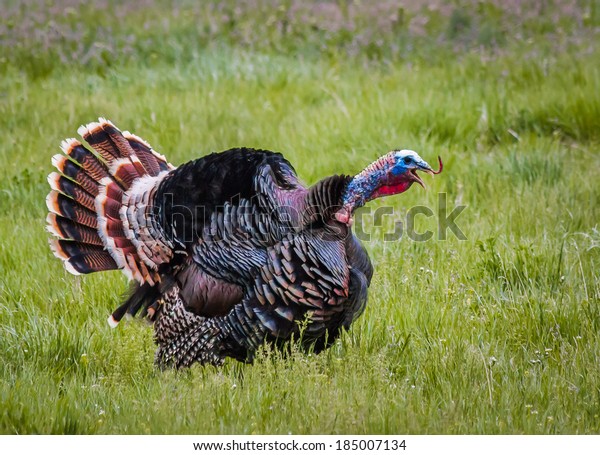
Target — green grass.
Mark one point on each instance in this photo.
(499, 333)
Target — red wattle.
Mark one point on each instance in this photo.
(388, 190)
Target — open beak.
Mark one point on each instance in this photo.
(426, 168)
(415, 177)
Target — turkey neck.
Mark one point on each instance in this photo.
(364, 186)
(324, 198)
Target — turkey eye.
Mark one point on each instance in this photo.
(406, 160)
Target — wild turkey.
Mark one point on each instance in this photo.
(228, 251)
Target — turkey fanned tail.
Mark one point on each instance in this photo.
(100, 205)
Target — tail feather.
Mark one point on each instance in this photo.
(92, 262)
(75, 172)
(142, 297)
(117, 315)
(112, 190)
(124, 170)
(88, 203)
(62, 205)
(98, 135)
(153, 162)
(73, 190)
(93, 167)
(145, 155)
(67, 248)
(66, 229)
(109, 132)
(123, 164)
(109, 207)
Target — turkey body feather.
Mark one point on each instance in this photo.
(227, 252)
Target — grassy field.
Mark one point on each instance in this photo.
(498, 333)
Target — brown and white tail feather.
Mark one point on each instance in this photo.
(60, 204)
(154, 162)
(99, 204)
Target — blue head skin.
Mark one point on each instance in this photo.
(393, 173)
